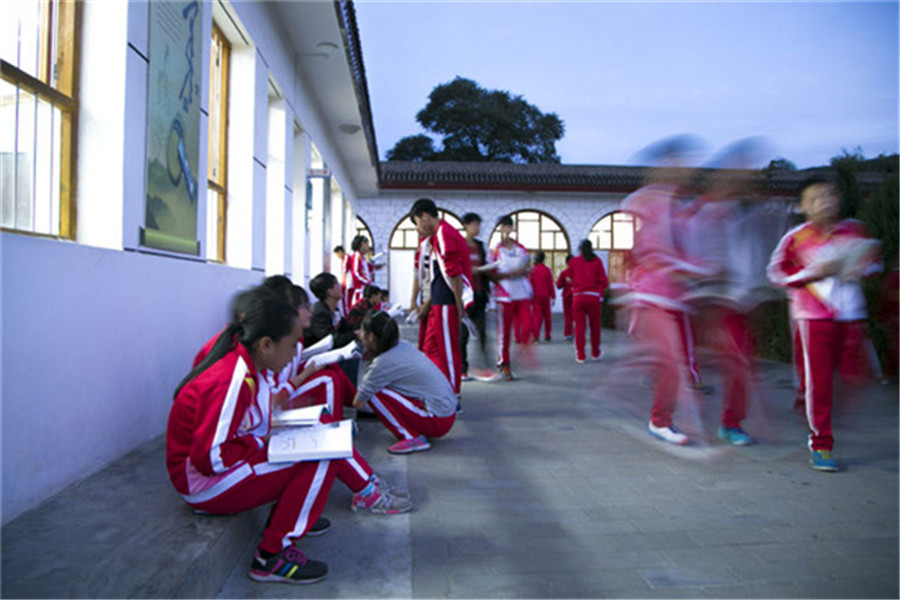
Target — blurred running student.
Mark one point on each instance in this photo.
(481, 293)
(658, 277)
(451, 288)
(406, 391)
(544, 294)
(564, 283)
(512, 292)
(821, 263)
(588, 284)
(217, 463)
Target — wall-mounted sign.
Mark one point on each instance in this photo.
(173, 126)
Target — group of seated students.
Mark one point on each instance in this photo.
(276, 353)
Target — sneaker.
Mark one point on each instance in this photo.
(416, 444)
(288, 566)
(486, 375)
(506, 373)
(580, 361)
(821, 460)
(459, 408)
(380, 501)
(669, 434)
(734, 436)
(548, 340)
(599, 357)
(466, 377)
(320, 527)
(569, 338)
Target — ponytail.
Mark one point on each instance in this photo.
(383, 327)
(266, 315)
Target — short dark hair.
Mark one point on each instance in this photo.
(371, 290)
(506, 220)
(338, 249)
(357, 242)
(539, 256)
(815, 179)
(422, 206)
(471, 217)
(321, 283)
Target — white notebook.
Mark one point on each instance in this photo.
(317, 442)
(307, 415)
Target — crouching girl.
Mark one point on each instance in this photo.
(216, 457)
(407, 392)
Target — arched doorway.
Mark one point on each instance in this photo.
(538, 231)
(401, 262)
(614, 233)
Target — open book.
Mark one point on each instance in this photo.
(307, 415)
(315, 442)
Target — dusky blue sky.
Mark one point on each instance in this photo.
(812, 78)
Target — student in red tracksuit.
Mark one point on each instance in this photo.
(451, 289)
(821, 263)
(359, 271)
(420, 303)
(564, 283)
(544, 294)
(512, 292)
(220, 465)
(343, 260)
(588, 284)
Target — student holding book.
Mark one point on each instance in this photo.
(407, 392)
(219, 466)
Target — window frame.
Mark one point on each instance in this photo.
(55, 47)
(219, 185)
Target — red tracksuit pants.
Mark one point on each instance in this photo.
(442, 342)
(567, 315)
(686, 325)
(541, 312)
(299, 491)
(586, 311)
(515, 315)
(824, 346)
(330, 387)
(730, 340)
(406, 417)
(658, 331)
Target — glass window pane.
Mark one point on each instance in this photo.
(7, 153)
(529, 234)
(623, 235)
(25, 144)
(43, 168)
(547, 240)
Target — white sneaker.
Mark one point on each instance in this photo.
(599, 357)
(669, 434)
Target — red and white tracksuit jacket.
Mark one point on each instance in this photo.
(346, 291)
(359, 275)
(589, 281)
(513, 297)
(541, 278)
(828, 314)
(449, 254)
(216, 453)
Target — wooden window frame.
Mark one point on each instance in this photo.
(220, 184)
(63, 94)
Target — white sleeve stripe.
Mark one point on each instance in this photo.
(226, 416)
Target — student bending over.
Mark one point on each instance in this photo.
(407, 392)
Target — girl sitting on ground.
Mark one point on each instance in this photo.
(405, 390)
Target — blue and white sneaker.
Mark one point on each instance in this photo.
(734, 436)
(821, 460)
(670, 434)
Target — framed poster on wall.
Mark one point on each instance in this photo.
(173, 126)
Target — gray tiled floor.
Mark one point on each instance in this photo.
(549, 486)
